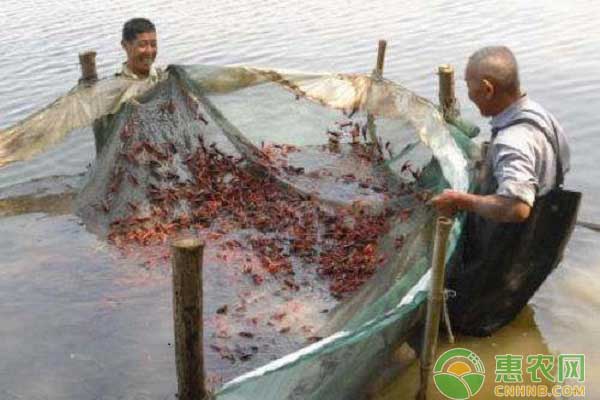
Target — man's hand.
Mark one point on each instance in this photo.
(449, 202)
(494, 207)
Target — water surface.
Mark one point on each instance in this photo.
(50, 297)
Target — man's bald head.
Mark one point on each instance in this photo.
(498, 65)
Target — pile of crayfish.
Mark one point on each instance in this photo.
(225, 193)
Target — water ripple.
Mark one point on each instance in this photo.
(557, 44)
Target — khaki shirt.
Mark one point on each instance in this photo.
(154, 75)
(135, 87)
(138, 85)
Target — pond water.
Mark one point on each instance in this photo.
(59, 283)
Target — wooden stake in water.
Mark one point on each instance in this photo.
(434, 303)
(447, 92)
(87, 61)
(377, 74)
(381, 46)
(187, 315)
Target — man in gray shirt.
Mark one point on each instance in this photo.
(512, 238)
(521, 162)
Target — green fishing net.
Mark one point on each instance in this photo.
(262, 164)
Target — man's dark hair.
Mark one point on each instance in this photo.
(135, 26)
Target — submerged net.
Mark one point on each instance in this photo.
(318, 238)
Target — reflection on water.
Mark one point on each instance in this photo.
(59, 284)
(56, 204)
(76, 322)
(521, 337)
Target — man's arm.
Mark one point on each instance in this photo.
(513, 154)
(495, 207)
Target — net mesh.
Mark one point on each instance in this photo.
(309, 190)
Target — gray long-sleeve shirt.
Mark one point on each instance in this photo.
(522, 159)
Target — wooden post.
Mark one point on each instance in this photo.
(377, 74)
(187, 314)
(334, 145)
(434, 303)
(87, 60)
(447, 93)
(381, 46)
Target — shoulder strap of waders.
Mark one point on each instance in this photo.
(555, 145)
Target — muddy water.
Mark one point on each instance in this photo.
(50, 297)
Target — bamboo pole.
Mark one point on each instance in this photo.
(187, 315)
(376, 75)
(87, 61)
(447, 95)
(434, 303)
(590, 225)
(381, 46)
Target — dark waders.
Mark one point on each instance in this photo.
(503, 264)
